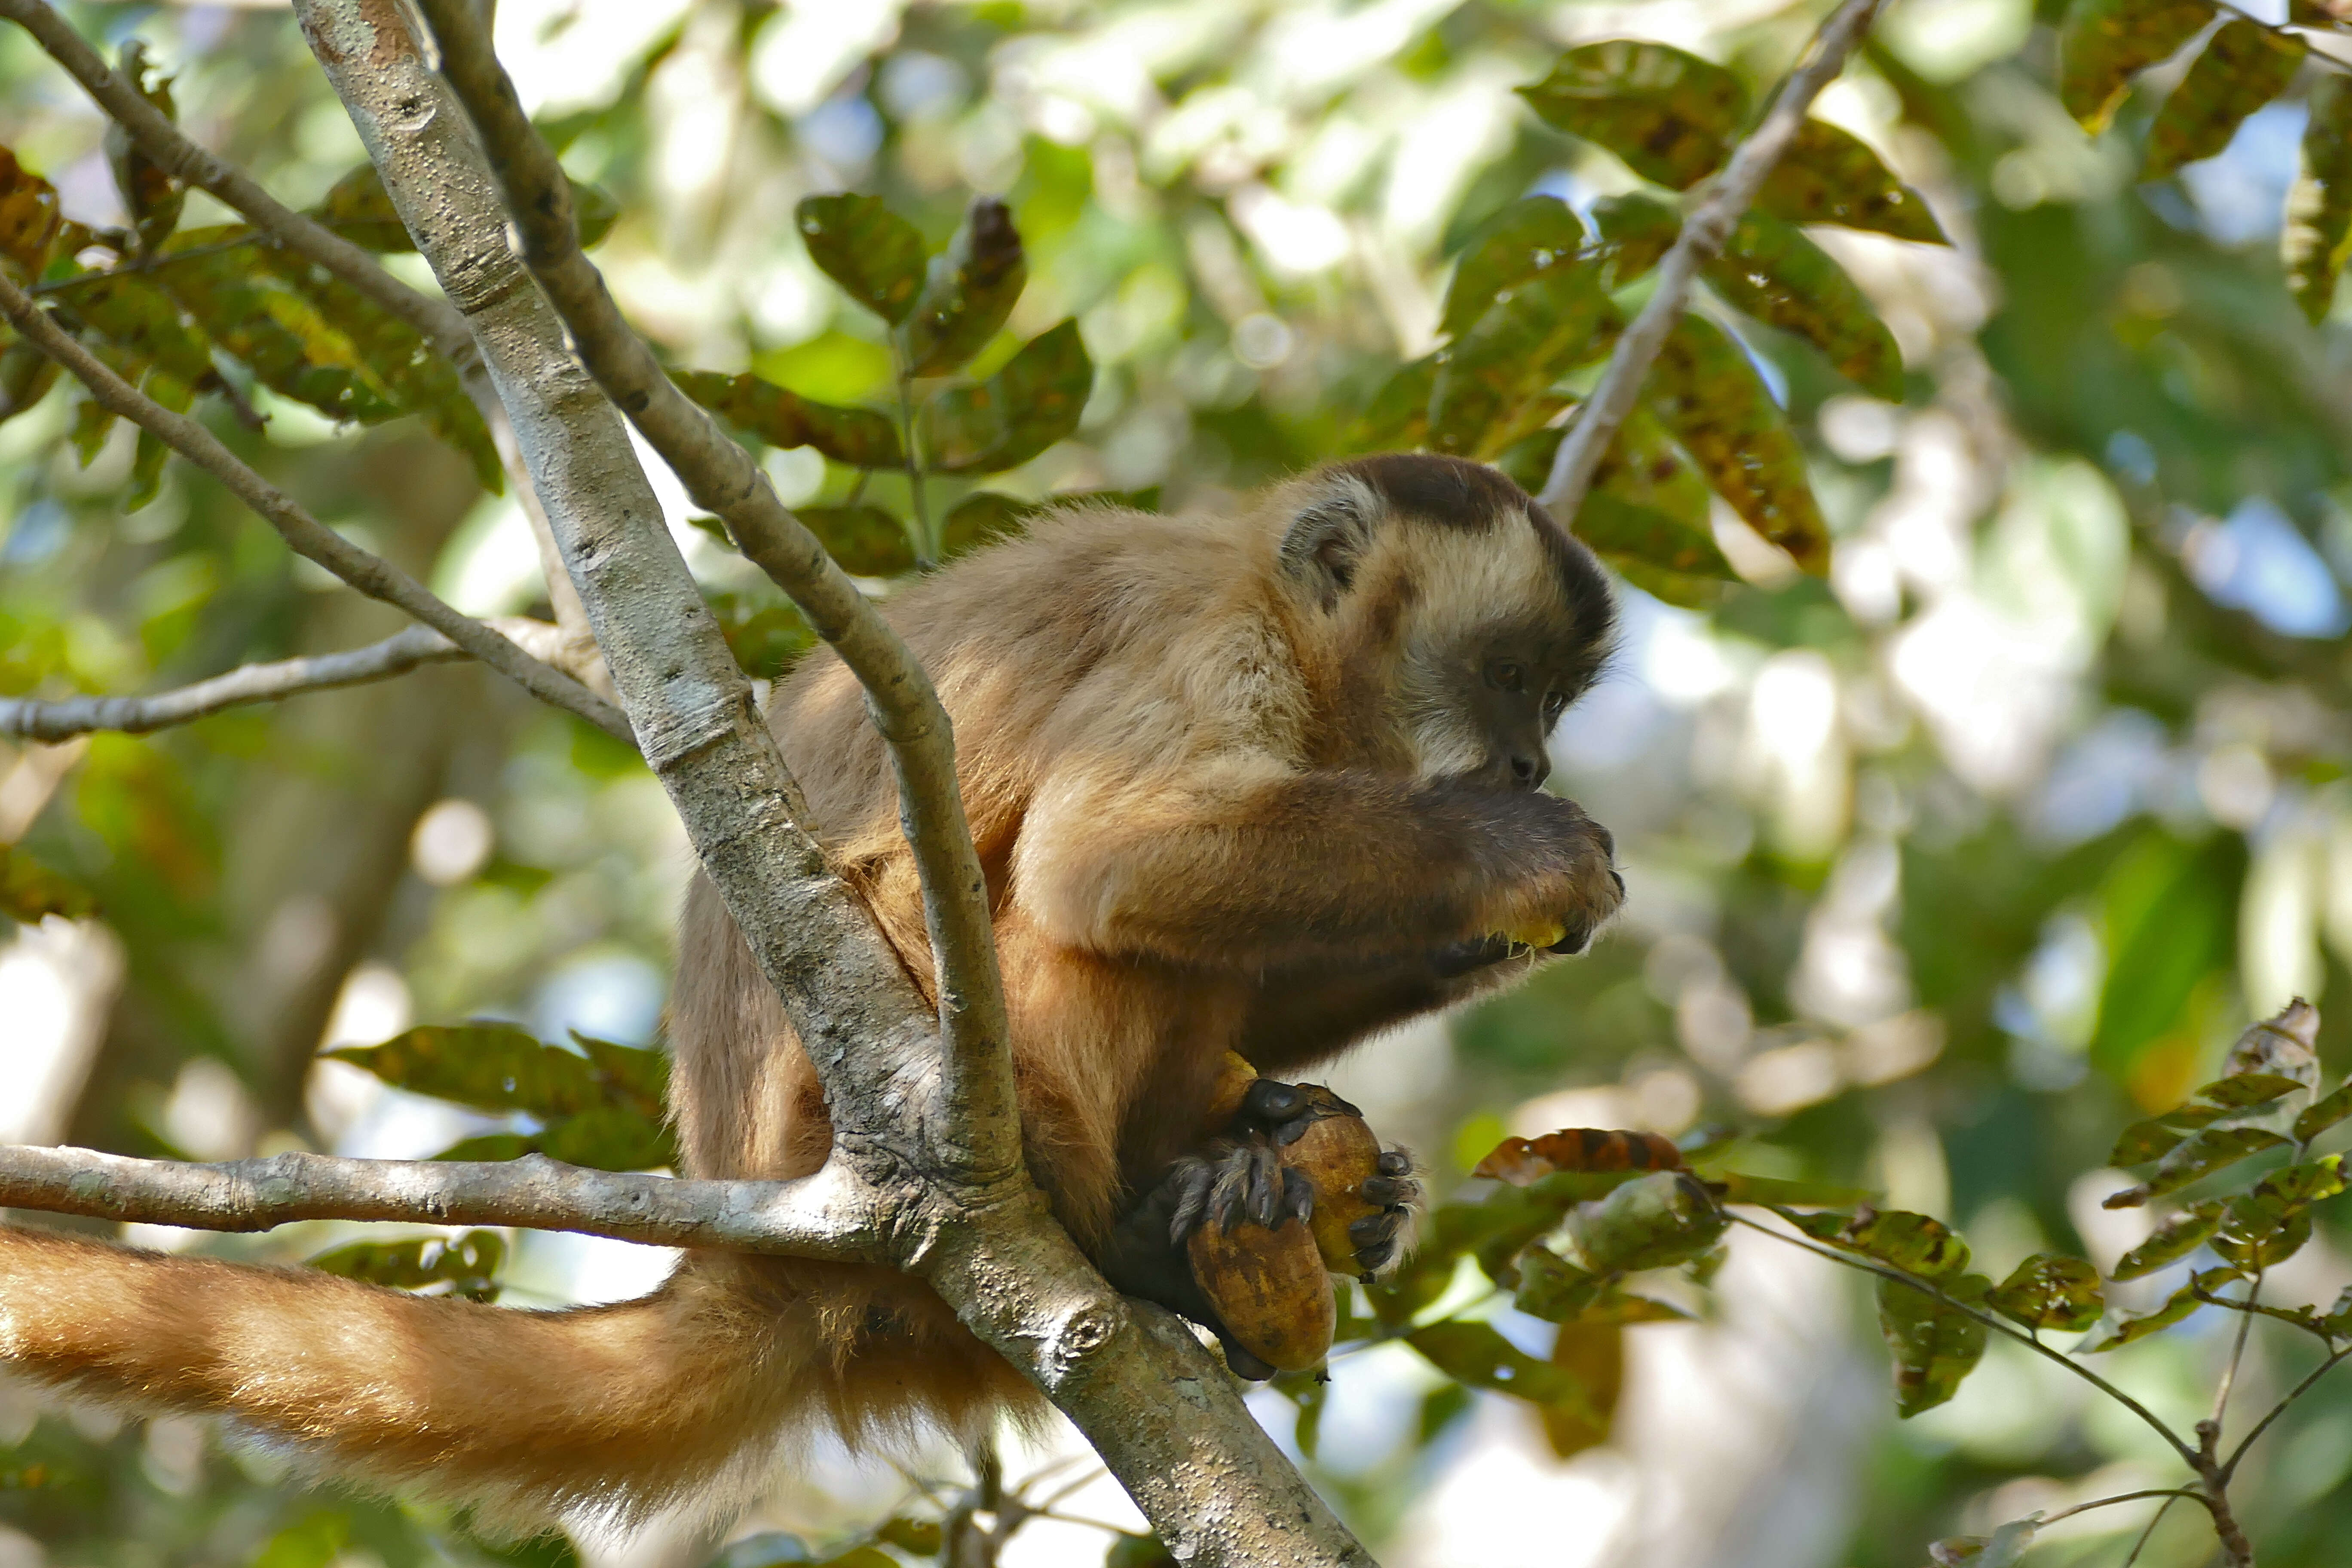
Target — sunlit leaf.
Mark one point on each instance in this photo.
(857, 436)
(1706, 393)
(2317, 234)
(1398, 416)
(2050, 1290)
(2243, 65)
(1530, 235)
(2324, 1112)
(1652, 1222)
(1934, 1347)
(1002, 423)
(468, 1264)
(2197, 1156)
(30, 890)
(2170, 913)
(247, 308)
(1911, 1242)
(1474, 1353)
(2105, 43)
(313, 1543)
(1643, 543)
(2286, 1045)
(2172, 1241)
(1775, 274)
(1492, 382)
(870, 250)
(1830, 175)
(1637, 231)
(983, 517)
(1670, 115)
(2179, 1305)
(968, 292)
(866, 540)
(29, 218)
(151, 198)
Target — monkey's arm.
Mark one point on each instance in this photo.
(1304, 1014)
(1247, 865)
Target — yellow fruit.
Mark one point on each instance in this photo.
(1270, 1290)
(1234, 1080)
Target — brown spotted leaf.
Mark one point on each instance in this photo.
(1670, 115)
(2050, 1290)
(2105, 43)
(1636, 231)
(1772, 271)
(2318, 231)
(148, 327)
(866, 540)
(29, 218)
(1652, 1222)
(1934, 1347)
(968, 293)
(1494, 384)
(2173, 1240)
(245, 307)
(2242, 67)
(2196, 1157)
(1911, 1242)
(1035, 401)
(870, 250)
(857, 436)
(1649, 547)
(1830, 176)
(1531, 236)
(1521, 1160)
(1705, 391)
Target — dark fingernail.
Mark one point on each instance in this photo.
(1378, 1190)
(1395, 1163)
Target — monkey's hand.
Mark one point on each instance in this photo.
(1563, 886)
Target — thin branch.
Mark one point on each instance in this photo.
(371, 576)
(2173, 1493)
(824, 1216)
(2154, 1519)
(177, 156)
(1704, 231)
(721, 477)
(2188, 1453)
(2292, 1394)
(2210, 1429)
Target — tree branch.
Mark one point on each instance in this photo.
(371, 576)
(396, 655)
(185, 161)
(1704, 231)
(829, 1214)
(722, 477)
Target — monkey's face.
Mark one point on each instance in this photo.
(1470, 618)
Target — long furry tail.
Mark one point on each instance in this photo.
(626, 1407)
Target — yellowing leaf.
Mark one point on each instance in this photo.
(1492, 383)
(29, 218)
(146, 325)
(2050, 1290)
(2105, 43)
(247, 308)
(1775, 274)
(1704, 390)
(30, 891)
(2242, 67)
(857, 436)
(1934, 1347)
(865, 247)
(1670, 115)
(1830, 176)
(1530, 235)
(1002, 423)
(1593, 1356)
(1655, 1221)
(969, 291)
(1911, 1242)
(1640, 541)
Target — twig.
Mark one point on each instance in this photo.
(2188, 1453)
(2172, 1495)
(371, 576)
(827, 1214)
(723, 478)
(2322, 1370)
(2154, 1519)
(1704, 231)
(182, 160)
(2208, 1431)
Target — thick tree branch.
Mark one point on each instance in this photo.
(722, 476)
(185, 161)
(396, 655)
(1704, 231)
(371, 576)
(829, 1214)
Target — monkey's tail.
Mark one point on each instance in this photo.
(626, 1408)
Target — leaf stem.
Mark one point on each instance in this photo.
(2292, 1394)
(927, 543)
(2170, 1494)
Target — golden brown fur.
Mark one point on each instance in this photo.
(1229, 794)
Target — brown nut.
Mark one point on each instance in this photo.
(1270, 1289)
(1338, 1153)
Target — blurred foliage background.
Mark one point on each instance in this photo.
(1941, 869)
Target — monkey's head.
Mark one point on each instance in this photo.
(1457, 619)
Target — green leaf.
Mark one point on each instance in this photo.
(2050, 1290)
(2245, 1090)
(983, 517)
(2270, 1224)
(30, 891)
(357, 208)
(2005, 1548)
(313, 1543)
(2105, 43)
(147, 463)
(866, 540)
(1775, 274)
(25, 376)
(2318, 235)
(2179, 1305)
(1911, 1242)
(1629, 535)
(2325, 1114)
(766, 636)
(1398, 416)
(1739, 1187)
(1306, 1390)
(468, 1264)
(2171, 916)
(1137, 1551)
(1035, 401)
(29, 218)
(151, 198)
(1705, 392)
(247, 308)
(920, 1537)
(1655, 1221)
(1493, 382)
(1830, 176)
(1637, 231)
(1553, 1288)
(969, 291)
(2175, 1240)
(870, 250)
(2242, 67)
(2197, 1156)
(1474, 1353)
(606, 1138)
(145, 323)
(1530, 235)
(857, 436)
(490, 1066)
(2144, 1140)
(1670, 115)
(93, 423)
(1934, 1347)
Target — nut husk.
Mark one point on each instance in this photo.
(1338, 1153)
(1270, 1289)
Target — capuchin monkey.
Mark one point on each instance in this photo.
(1264, 779)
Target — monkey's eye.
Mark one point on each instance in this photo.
(1505, 675)
(1555, 704)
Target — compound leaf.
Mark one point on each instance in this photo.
(1492, 383)
(1830, 175)
(2175, 1240)
(2196, 1157)
(1705, 391)
(1911, 1242)
(2105, 43)
(1670, 115)
(2050, 1290)
(1774, 273)
(2243, 65)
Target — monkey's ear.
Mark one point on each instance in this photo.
(1329, 537)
